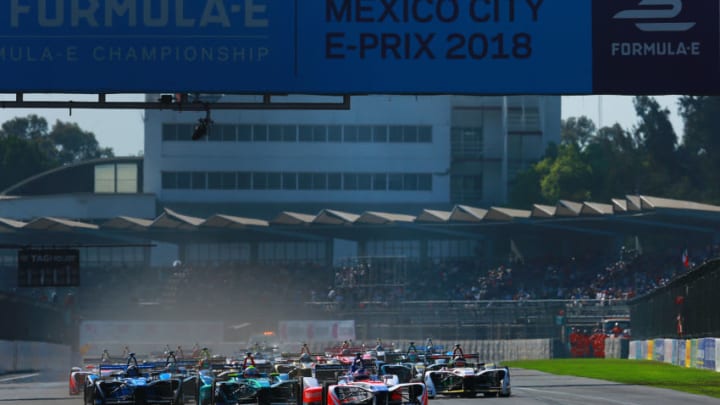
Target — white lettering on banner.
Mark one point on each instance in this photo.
(413, 45)
(186, 54)
(134, 54)
(137, 13)
(655, 49)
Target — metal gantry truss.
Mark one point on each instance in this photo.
(171, 101)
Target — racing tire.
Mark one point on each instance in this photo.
(179, 399)
(325, 391)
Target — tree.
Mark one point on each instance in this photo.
(28, 148)
(75, 145)
(569, 176)
(613, 158)
(699, 152)
(577, 131)
(31, 127)
(655, 131)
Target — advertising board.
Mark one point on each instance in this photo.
(359, 46)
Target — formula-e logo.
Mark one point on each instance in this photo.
(656, 10)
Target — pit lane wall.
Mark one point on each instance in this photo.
(20, 356)
(690, 353)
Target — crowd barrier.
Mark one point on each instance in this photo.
(690, 353)
(19, 356)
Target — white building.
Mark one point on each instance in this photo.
(402, 153)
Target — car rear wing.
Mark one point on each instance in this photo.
(329, 372)
(470, 358)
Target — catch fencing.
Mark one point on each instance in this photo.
(685, 308)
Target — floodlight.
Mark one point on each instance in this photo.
(201, 129)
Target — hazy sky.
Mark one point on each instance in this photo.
(122, 130)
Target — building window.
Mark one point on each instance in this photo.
(466, 189)
(260, 133)
(183, 180)
(116, 178)
(274, 181)
(466, 142)
(350, 181)
(260, 181)
(244, 181)
(244, 133)
(334, 133)
(289, 181)
(169, 180)
(380, 181)
(105, 178)
(199, 180)
(293, 181)
(222, 180)
(380, 134)
(334, 181)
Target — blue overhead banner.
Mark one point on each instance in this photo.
(359, 46)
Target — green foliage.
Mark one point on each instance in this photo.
(28, 148)
(611, 162)
(636, 372)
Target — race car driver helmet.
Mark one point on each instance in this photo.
(361, 374)
(250, 371)
(459, 362)
(132, 371)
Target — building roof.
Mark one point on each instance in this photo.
(590, 218)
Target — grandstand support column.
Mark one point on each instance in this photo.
(329, 252)
(362, 248)
(488, 253)
(619, 244)
(254, 252)
(423, 254)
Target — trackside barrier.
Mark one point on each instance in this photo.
(616, 348)
(691, 353)
(16, 356)
(489, 350)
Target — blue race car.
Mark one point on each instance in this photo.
(118, 384)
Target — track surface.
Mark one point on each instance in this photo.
(528, 388)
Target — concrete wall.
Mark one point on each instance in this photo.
(16, 356)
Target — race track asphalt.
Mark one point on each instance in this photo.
(528, 388)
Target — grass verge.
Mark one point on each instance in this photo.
(637, 372)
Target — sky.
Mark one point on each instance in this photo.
(122, 130)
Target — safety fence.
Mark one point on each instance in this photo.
(684, 307)
(689, 353)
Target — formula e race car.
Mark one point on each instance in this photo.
(245, 384)
(131, 383)
(77, 379)
(360, 388)
(459, 377)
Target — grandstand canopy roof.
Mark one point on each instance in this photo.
(631, 215)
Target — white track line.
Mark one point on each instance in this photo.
(19, 377)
